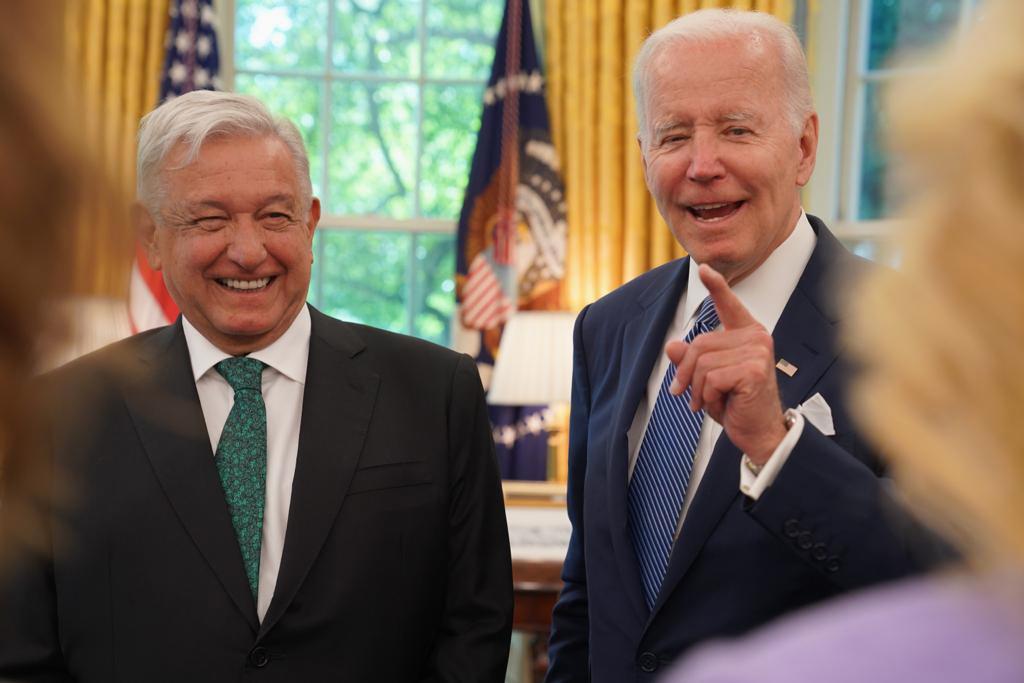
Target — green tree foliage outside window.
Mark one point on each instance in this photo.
(897, 30)
(387, 95)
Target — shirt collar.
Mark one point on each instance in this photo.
(765, 291)
(289, 353)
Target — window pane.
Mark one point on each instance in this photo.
(451, 119)
(298, 100)
(377, 36)
(373, 149)
(433, 301)
(899, 26)
(364, 277)
(280, 34)
(876, 196)
(461, 36)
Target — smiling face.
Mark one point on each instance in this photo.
(233, 240)
(720, 154)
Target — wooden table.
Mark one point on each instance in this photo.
(536, 586)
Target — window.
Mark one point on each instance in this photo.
(387, 94)
(861, 48)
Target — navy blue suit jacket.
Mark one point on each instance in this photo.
(826, 525)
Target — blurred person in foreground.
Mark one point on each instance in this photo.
(942, 393)
(260, 490)
(41, 170)
(715, 479)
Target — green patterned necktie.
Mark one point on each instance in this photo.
(242, 459)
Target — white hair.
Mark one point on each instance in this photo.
(711, 25)
(195, 117)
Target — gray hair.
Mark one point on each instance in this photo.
(711, 25)
(195, 117)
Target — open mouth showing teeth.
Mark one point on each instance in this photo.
(714, 212)
(244, 285)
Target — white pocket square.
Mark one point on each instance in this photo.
(816, 411)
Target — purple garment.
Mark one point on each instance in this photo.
(939, 630)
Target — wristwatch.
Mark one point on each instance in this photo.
(788, 420)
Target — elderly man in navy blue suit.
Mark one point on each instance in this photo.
(715, 479)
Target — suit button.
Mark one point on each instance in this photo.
(832, 564)
(648, 662)
(804, 541)
(792, 528)
(819, 552)
(259, 657)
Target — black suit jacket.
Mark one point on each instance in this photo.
(396, 561)
(826, 524)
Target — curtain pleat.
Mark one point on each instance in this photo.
(114, 52)
(615, 231)
(636, 202)
(610, 153)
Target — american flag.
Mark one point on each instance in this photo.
(191, 63)
(486, 300)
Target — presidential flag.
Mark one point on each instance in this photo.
(512, 229)
(191, 63)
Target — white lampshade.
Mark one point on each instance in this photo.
(534, 363)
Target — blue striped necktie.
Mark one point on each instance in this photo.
(662, 470)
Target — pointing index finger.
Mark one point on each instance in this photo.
(731, 311)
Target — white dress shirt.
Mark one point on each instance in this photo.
(284, 380)
(764, 293)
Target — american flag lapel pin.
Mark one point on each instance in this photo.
(786, 367)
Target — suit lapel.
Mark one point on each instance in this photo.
(165, 408)
(642, 340)
(804, 336)
(806, 332)
(336, 408)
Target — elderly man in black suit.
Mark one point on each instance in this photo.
(259, 490)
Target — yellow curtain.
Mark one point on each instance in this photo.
(615, 231)
(114, 52)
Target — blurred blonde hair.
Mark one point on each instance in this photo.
(40, 168)
(943, 338)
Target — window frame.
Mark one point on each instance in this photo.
(839, 38)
